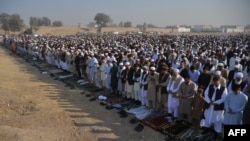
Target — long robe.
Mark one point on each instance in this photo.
(153, 80)
(211, 115)
(186, 93)
(113, 77)
(237, 103)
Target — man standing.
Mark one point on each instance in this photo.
(223, 81)
(128, 78)
(203, 80)
(234, 105)
(194, 74)
(120, 86)
(136, 78)
(153, 80)
(144, 87)
(172, 89)
(186, 94)
(113, 77)
(161, 101)
(108, 80)
(103, 73)
(215, 95)
(237, 81)
(77, 65)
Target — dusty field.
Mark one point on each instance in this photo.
(34, 107)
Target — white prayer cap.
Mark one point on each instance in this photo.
(239, 75)
(237, 59)
(176, 70)
(146, 59)
(121, 64)
(152, 60)
(127, 63)
(145, 67)
(220, 64)
(217, 72)
(152, 68)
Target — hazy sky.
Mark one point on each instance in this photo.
(157, 12)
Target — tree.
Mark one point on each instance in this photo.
(11, 22)
(102, 19)
(151, 26)
(57, 23)
(121, 24)
(4, 21)
(16, 23)
(128, 24)
(46, 21)
(36, 21)
(33, 21)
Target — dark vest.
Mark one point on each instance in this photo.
(137, 73)
(217, 96)
(163, 78)
(128, 76)
(145, 87)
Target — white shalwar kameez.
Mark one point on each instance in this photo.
(214, 116)
(237, 103)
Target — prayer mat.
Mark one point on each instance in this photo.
(54, 71)
(115, 100)
(131, 105)
(94, 89)
(155, 123)
(45, 68)
(43, 65)
(154, 114)
(65, 76)
(163, 128)
(73, 81)
(136, 109)
(177, 128)
(63, 73)
(196, 135)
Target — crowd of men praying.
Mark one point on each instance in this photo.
(203, 79)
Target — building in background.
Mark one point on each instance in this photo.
(232, 29)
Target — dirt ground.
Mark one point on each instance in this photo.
(34, 107)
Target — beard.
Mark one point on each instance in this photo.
(238, 82)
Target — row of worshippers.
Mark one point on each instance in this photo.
(209, 50)
(96, 67)
(164, 69)
(177, 95)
